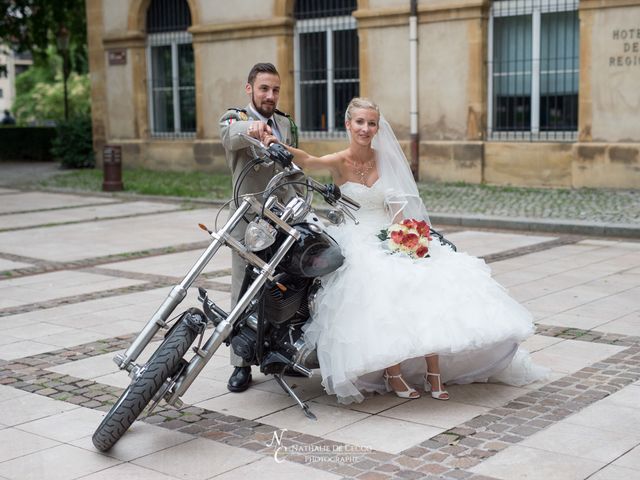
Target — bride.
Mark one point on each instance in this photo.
(420, 321)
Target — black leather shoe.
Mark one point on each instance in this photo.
(240, 379)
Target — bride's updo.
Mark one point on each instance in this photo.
(360, 102)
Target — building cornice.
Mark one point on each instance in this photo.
(385, 17)
(601, 4)
(238, 30)
(128, 39)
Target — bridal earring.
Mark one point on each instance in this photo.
(410, 393)
(437, 394)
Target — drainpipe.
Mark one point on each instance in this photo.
(413, 88)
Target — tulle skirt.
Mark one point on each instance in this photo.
(379, 309)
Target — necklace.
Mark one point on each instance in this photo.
(363, 172)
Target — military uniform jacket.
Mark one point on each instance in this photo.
(237, 149)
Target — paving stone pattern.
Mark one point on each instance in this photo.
(447, 455)
(596, 205)
(450, 455)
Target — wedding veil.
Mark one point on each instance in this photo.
(401, 192)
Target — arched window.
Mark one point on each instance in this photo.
(327, 73)
(534, 62)
(170, 64)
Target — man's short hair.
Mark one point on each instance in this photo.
(261, 68)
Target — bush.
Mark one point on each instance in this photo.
(26, 143)
(73, 145)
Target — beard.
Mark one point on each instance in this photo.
(265, 109)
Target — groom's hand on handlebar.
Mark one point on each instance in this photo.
(277, 151)
(280, 154)
(268, 139)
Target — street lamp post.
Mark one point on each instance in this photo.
(62, 39)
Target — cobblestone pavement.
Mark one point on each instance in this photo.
(592, 205)
(74, 291)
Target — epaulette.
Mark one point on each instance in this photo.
(281, 113)
(294, 127)
(242, 113)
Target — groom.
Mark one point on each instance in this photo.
(258, 118)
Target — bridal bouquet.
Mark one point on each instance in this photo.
(410, 237)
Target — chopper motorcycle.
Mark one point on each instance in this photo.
(286, 249)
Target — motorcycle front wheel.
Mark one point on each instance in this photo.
(164, 363)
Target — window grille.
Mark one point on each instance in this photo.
(327, 74)
(533, 70)
(170, 66)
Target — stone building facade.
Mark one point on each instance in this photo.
(14, 64)
(494, 103)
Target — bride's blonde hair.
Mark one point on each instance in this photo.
(360, 102)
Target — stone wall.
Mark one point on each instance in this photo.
(452, 70)
(608, 151)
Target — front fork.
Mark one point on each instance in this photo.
(178, 292)
(224, 328)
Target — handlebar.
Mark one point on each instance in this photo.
(278, 153)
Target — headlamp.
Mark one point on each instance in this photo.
(259, 235)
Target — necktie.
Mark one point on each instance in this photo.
(274, 128)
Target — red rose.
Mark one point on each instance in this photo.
(410, 240)
(423, 229)
(421, 251)
(410, 223)
(396, 236)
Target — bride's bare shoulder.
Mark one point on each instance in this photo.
(342, 156)
(336, 160)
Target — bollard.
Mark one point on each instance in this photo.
(112, 168)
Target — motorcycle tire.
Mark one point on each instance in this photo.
(162, 365)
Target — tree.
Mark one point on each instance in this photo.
(39, 93)
(32, 25)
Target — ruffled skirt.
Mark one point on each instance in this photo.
(378, 310)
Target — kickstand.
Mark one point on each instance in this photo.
(305, 408)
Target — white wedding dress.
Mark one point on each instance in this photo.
(378, 309)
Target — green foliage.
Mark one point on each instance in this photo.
(73, 144)
(43, 71)
(40, 93)
(32, 25)
(150, 182)
(26, 143)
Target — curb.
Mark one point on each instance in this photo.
(575, 227)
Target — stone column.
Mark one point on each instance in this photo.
(97, 68)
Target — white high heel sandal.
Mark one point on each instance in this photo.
(437, 394)
(410, 393)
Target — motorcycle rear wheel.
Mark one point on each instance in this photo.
(163, 364)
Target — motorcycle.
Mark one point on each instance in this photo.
(286, 249)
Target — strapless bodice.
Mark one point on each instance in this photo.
(371, 200)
